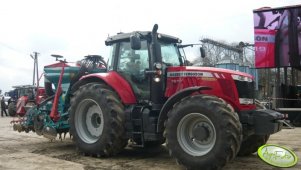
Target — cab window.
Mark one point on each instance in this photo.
(170, 55)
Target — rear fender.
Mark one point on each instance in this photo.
(174, 99)
(112, 79)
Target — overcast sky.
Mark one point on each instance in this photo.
(77, 28)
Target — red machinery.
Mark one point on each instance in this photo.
(149, 95)
(24, 97)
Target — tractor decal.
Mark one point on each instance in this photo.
(189, 74)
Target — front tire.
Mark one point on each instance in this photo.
(12, 109)
(97, 120)
(202, 132)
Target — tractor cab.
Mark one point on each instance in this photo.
(132, 57)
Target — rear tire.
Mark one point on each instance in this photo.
(12, 109)
(202, 132)
(252, 143)
(97, 120)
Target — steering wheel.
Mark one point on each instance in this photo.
(138, 77)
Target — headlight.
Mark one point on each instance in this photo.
(241, 78)
(246, 101)
(157, 79)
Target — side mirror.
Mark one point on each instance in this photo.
(135, 42)
(203, 53)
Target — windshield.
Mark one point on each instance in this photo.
(171, 55)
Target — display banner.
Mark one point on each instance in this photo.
(277, 37)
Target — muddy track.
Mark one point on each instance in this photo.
(30, 151)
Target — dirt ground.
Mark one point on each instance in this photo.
(29, 151)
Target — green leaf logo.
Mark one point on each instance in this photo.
(277, 156)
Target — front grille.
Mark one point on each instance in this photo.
(245, 89)
(227, 90)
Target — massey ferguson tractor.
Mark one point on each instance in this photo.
(146, 94)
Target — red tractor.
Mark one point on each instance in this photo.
(24, 97)
(206, 116)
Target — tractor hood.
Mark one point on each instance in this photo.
(235, 87)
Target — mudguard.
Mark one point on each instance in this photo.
(115, 81)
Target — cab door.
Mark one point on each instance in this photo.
(132, 65)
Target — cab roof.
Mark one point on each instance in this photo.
(277, 8)
(143, 35)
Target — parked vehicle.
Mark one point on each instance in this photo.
(147, 94)
(24, 97)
